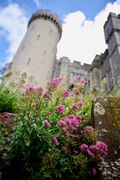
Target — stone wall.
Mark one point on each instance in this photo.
(106, 119)
(106, 115)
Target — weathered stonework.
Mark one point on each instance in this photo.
(106, 115)
(36, 55)
(108, 63)
(70, 70)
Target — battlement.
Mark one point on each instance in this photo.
(112, 25)
(47, 15)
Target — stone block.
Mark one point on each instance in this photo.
(106, 119)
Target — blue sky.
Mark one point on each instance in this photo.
(62, 7)
(83, 22)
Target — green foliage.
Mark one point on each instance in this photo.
(8, 100)
(48, 135)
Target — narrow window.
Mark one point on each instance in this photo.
(38, 36)
(51, 31)
(28, 62)
(44, 52)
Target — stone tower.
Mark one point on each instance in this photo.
(112, 37)
(37, 53)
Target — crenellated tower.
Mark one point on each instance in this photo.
(112, 37)
(37, 52)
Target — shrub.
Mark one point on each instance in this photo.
(52, 136)
(8, 100)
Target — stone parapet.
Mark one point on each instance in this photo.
(47, 15)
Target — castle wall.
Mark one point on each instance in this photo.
(70, 70)
(112, 37)
(105, 68)
(36, 55)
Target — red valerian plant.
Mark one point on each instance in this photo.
(53, 136)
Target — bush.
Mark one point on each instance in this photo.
(8, 100)
(52, 137)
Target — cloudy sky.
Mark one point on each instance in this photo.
(83, 21)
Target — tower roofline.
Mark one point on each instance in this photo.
(47, 15)
(111, 15)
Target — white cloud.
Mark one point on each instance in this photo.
(37, 2)
(82, 39)
(13, 23)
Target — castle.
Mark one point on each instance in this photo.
(36, 56)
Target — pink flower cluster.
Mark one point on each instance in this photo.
(47, 95)
(60, 109)
(39, 90)
(81, 80)
(69, 125)
(94, 172)
(47, 124)
(99, 150)
(78, 105)
(77, 92)
(66, 93)
(55, 140)
(83, 147)
(31, 89)
(5, 116)
(88, 129)
(53, 83)
(72, 121)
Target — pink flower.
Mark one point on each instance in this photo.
(47, 124)
(73, 121)
(90, 153)
(62, 123)
(94, 172)
(64, 130)
(81, 80)
(78, 78)
(5, 116)
(48, 113)
(47, 95)
(71, 117)
(78, 105)
(78, 136)
(55, 141)
(66, 93)
(30, 89)
(77, 92)
(83, 147)
(79, 119)
(94, 148)
(100, 149)
(73, 127)
(101, 145)
(88, 129)
(60, 108)
(53, 83)
(39, 90)
(67, 134)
